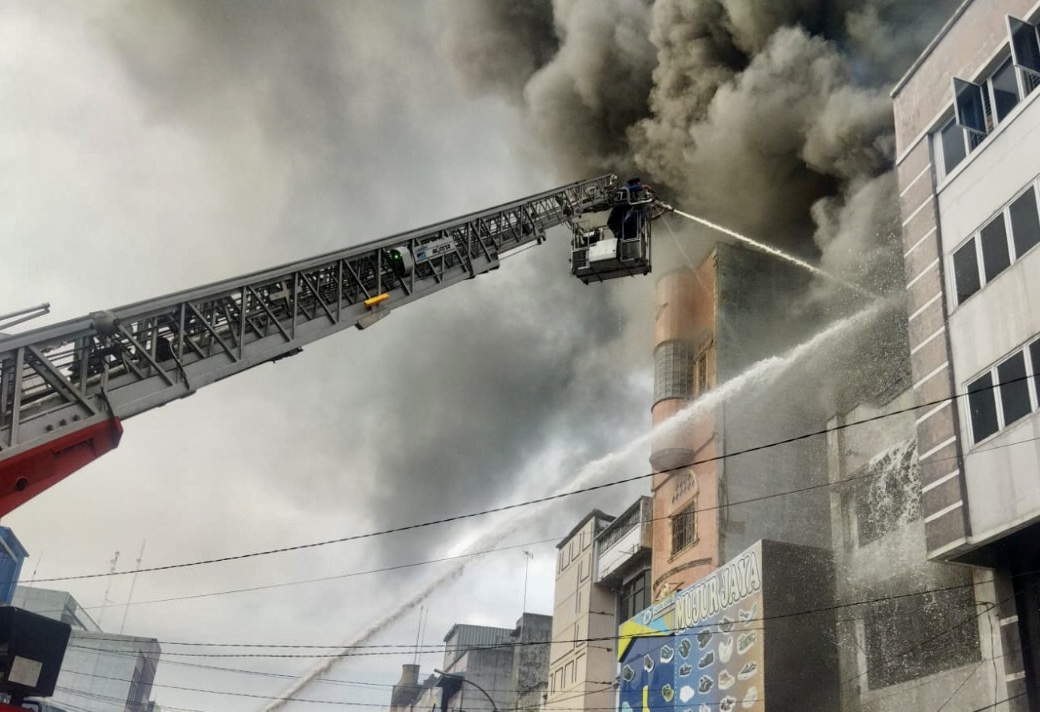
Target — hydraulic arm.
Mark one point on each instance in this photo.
(65, 388)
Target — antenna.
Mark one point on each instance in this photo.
(133, 582)
(32, 579)
(418, 634)
(108, 588)
(527, 562)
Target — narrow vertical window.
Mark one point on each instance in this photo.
(1025, 47)
(983, 406)
(1034, 352)
(1014, 389)
(1025, 223)
(684, 528)
(1005, 89)
(995, 256)
(970, 105)
(953, 149)
(966, 271)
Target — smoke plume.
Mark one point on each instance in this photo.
(770, 116)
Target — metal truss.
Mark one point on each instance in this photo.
(115, 364)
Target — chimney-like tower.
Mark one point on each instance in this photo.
(407, 689)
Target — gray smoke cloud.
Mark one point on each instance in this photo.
(483, 377)
(770, 116)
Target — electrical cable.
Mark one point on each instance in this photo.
(461, 556)
(297, 582)
(548, 498)
(399, 648)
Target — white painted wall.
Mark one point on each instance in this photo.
(1003, 478)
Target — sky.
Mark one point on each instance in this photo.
(152, 147)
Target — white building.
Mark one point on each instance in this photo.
(968, 160)
(602, 578)
(101, 672)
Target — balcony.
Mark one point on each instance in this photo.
(626, 540)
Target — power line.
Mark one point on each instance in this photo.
(297, 582)
(424, 562)
(538, 500)
(399, 648)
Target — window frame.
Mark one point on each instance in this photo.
(972, 133)
(690, 512)
(1004, 213)
(1032, 385)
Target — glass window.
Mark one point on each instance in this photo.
(1014, 389)
(970, 105)
(684, 528)
(983, 406)
(995, 256)
(953, 149)
(1025, 49)
(635, 596)
(966, 271)
(1025, 224)
(1034, 351)
(1005, 89)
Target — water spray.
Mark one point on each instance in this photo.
(758, 374)
(762, 247)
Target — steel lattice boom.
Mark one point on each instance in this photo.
(64, 388)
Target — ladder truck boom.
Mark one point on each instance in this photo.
(65, 388)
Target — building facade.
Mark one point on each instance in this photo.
(602, 577)
(968, 160)
(101, 671)
(484, 668)
(912, 633)
(713, 325)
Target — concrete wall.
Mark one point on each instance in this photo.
(57, 605)
(490, 669)
(581, 610)
(912, 594)
(100, 674)
(1003, 482)
(530, 673)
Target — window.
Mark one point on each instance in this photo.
(1014, 388)
(634, 596)
(684, 528)
(954, 149)
(970, 106)
(1001, 242)
(995, 255)
(673, 370)
(702, 373)
(966, 271)
(1025, 46)
(1025, 223)
(1006, 393)
(1034, 352)
(1005, 89)
(982, 402)
(980, 106)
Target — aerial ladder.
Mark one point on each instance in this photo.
(66, 388)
